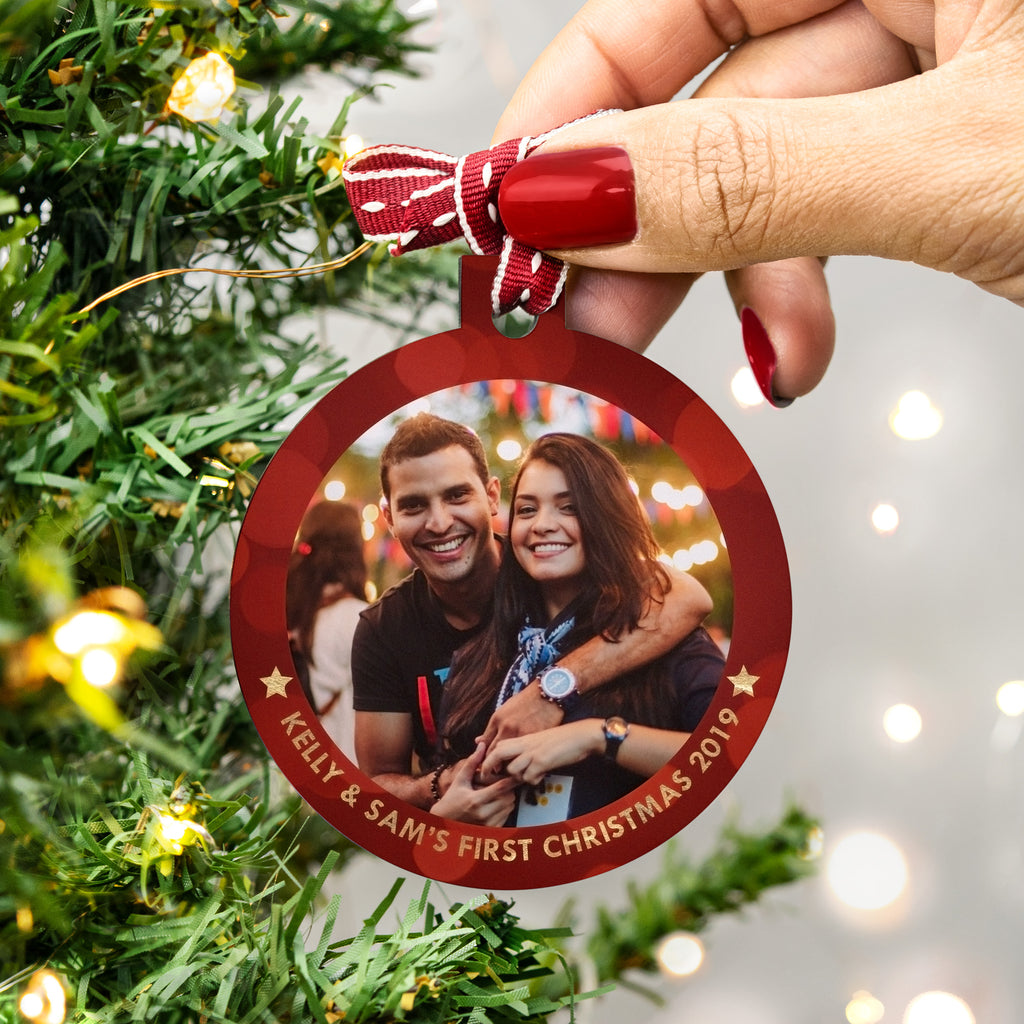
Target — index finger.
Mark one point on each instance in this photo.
(634, 53)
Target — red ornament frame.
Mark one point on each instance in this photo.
(511, 858)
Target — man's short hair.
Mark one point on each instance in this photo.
(424, 434)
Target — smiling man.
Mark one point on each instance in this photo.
(440, 500)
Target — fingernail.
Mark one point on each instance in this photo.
(567, 200)
(761, 356)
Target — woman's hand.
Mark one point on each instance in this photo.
(881, 128)
(529, 758)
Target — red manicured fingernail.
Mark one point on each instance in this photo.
(761, 356)
(566, 200)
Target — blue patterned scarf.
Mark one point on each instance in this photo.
(538, 649)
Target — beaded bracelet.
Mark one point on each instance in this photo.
(435, 784)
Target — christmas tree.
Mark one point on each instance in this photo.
(152, 865)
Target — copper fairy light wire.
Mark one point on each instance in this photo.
(318, 268)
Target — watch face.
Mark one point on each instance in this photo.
(558, 682)
(616, 729)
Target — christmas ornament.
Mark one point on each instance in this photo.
(475, 354)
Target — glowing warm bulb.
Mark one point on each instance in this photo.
(334, 490)
(682, 559)
(864, 1008)
(509, 449)
(815, 845)
(88, 629)
(367, 530)
(692, 495)
(661, 491)
(203, 88)
(354, 144)
(1010, 698)
(371, 513)
(100, 667)
(867, 871)
(915, 418)
(44, 1001)
(680, 954)
(938, 1008)
(885, 518)
(173, 830)
(703, 552)
(902, 723)
(745, 390)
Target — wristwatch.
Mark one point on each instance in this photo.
(558, 685)
(615, 731)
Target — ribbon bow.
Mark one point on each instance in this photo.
(421, 198)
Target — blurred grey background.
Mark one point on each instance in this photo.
(929, 615)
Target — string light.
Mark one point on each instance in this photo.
(867, 871)
(745, 390)
(885, 518)
(680, 954)
(915, 418)
(1010, 698)
(100, 667)
(354, 144)
(902, 723)
(43, 1000)
(815, 845)
(335, 490)
(176, 828)
(938, 1008)
(509, 449)
(203, 88)
(88, 629)
(864, 1008)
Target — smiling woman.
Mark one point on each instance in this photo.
(584, 563)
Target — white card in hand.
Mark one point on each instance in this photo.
(546, 803)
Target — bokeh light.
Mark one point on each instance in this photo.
(885, 518)
(938, 1008)
(334, 490)
(100, 667)
(1010, 698)
(88, 629)
(864, 1008)
(902, 723)
(867, 871)
(915, 418)
(680, 954)
(745, 390)
(354, 144)
(509, 449)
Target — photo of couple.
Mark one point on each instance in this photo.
(521, 676)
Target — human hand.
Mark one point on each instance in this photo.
(887, 128)
(464, 801)
(523, 713)
(529, 758)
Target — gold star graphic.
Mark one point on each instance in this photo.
(743, 683)
(276, 683)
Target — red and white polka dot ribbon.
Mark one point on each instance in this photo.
(420, 198)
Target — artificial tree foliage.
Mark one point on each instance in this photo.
(149, 855)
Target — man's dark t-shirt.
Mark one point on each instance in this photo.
(401, 654)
